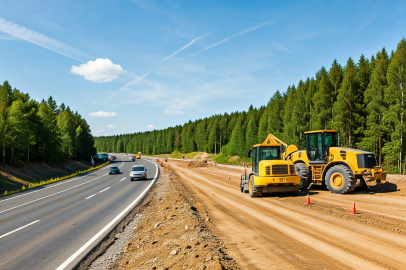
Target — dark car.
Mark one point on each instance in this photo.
(114, 170)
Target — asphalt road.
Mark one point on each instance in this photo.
(55, 226)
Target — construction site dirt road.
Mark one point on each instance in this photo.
(281, 232)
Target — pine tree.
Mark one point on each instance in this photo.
(394, 97)
(275, 116)
(336, 77)
(373, 97)
(323, 101)
(252, 130)
(345, 109)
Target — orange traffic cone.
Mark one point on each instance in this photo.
(352, 211)
(162, 164)
(307, 201)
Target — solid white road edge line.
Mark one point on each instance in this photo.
(94, 238)
(104, 190)
(89, 196)
(19, 229)
(57, 184)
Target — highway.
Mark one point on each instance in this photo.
(55, 226)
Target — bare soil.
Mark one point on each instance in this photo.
(173, 233)
(281, 232)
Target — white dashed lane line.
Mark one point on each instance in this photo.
(104, 190)
(122, 179)
(54, 193)
(90, 196)
(18, 229)
(61, 183)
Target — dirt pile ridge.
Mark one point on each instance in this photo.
(173, 233)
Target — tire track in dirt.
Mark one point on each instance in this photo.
(353, 248)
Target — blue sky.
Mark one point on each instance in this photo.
(130, 66)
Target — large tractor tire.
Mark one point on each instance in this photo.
(253, 192)
(340, 179)
(305, 179)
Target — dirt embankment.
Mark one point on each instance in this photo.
(173, 233)
(280, 232)
(13, 177)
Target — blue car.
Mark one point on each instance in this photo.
(114, 170)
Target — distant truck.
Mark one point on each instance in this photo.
(138, 156)
(101, 157)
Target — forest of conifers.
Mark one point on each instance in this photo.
(40, 131)
(363, 100)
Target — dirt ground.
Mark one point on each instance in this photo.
(173, 232)
(280, 232)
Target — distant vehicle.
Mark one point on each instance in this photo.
(114, 170)
(102, 156)
(112, 157)
(132, 158)
(138, 172)
(138, 156)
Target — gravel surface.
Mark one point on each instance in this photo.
(117, 247)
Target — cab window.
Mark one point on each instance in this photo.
(254, 160)
(269, 153)
(314, 146)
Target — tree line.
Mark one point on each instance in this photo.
(363, 101)
(41, 131)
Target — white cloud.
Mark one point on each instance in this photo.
(173, 112)
(112, 126)
(243, 32)
(102, 114)
(100, 70)
(151, 126)
(31, 36)
(187, 45)
(98, 131)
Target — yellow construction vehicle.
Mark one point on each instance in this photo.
(138, 155)
(324, 163)
(270, 173)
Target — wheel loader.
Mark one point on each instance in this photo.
(324, 163)
(270, 173)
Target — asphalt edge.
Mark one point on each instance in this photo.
(109, 239)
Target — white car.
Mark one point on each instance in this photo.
(138, 172)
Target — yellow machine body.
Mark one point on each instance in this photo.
(270, 173)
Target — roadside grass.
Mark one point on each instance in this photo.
(52, 180)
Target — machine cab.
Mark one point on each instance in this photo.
(318, 144)
(264, 152)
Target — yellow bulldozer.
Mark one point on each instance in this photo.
(324, 163)
(270, 173)
(138, 155)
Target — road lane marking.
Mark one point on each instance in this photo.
(57, 184)
(89, 196)
(104, 190)
(53, 194)
(122, 179)
(18, 229)
(94, 238)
